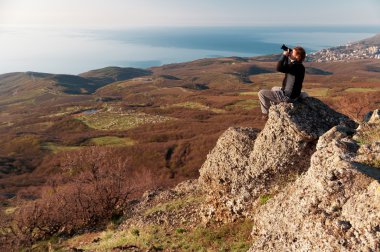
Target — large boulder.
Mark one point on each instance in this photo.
(284, 147)
(334, 206)
(224, 174)
(242, 168)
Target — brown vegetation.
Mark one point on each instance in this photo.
(356, 105)
(81, 196)
(54, 187)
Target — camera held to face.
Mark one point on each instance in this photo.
(285, 48)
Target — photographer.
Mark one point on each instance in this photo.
(290, 63)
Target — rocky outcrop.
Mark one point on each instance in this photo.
(224, 174)
(242, 168)
(319, 174)
(334, 206)
(309, 181)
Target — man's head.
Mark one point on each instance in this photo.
(298, 54)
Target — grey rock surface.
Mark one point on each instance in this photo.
(242, 168)
(334, 206)
(224, 174)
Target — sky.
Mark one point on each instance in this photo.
(135, 13)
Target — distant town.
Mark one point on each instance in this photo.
(346, 53)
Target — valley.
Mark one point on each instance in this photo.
(172, 114)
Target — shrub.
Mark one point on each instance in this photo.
(356, 106)
(80, 197)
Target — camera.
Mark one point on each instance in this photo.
(285, 48)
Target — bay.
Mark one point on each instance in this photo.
(72, 51)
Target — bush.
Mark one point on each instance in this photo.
(356, 105)
(79, 198)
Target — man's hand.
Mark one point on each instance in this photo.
(286, 53)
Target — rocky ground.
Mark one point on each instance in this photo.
(243, 168)
(309, 181)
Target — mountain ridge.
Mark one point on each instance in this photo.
(85, 83)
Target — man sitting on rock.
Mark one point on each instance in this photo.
(292, 83)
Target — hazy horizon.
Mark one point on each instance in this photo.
(75, 36)
(68, 51)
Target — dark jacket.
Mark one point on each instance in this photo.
(294, 75)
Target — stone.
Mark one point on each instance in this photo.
(372, 117)
(245, 164)
(352, 192)
(222, 174)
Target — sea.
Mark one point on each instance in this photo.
(73, 51)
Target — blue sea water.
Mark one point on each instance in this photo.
(73, 51)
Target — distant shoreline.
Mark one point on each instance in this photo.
(61, 50)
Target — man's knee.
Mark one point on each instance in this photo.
(260, 94)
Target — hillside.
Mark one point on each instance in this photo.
(206, 95)
(112, 74)
(156, 125)
(319, 192)
(21, 87)
(364, 49)
(372, 41)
